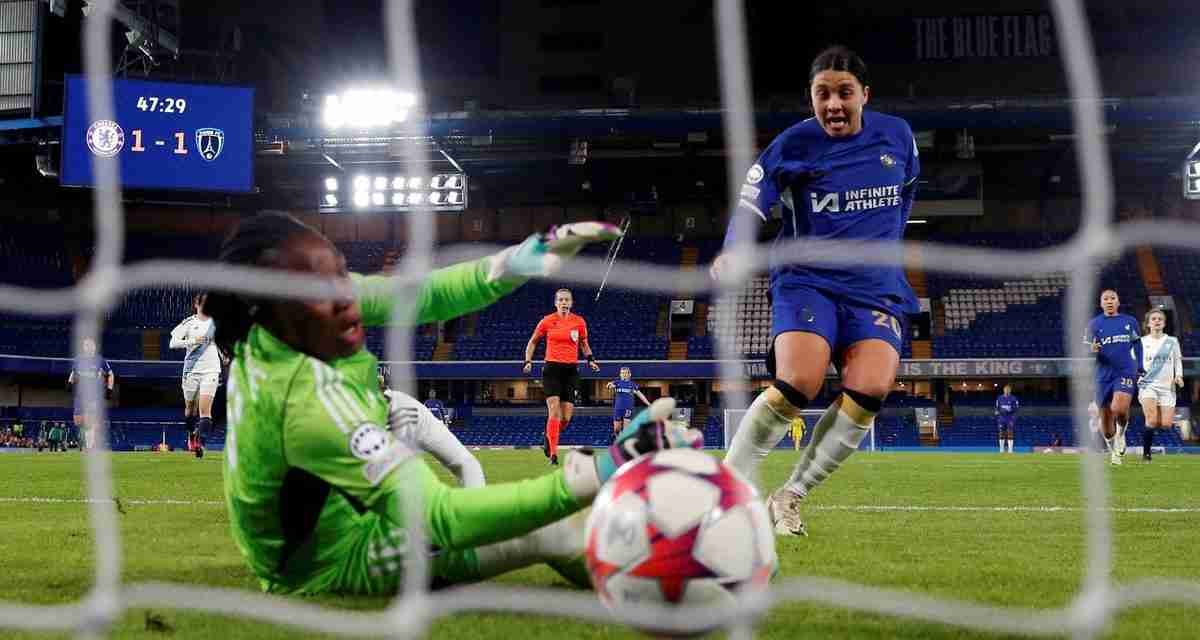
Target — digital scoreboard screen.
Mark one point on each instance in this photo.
(165, 135)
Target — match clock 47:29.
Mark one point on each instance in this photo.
(164, 135)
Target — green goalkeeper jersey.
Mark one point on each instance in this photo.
(313, 475)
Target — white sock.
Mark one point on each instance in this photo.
(1010, 443)
(760, 429)
(834, 438)
(1001, 445)
(562, 540)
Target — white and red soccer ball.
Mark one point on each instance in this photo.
(677, 527)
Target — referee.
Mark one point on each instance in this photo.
(566, 334)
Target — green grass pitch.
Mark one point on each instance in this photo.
(980, 550)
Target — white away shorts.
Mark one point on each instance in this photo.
(1162, 396)
(200, 384)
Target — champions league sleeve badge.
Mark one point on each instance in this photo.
(210, 142)
(105, 138)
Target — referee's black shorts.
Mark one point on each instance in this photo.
(561, 379)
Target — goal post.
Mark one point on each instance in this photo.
(732, 417)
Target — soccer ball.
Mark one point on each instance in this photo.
(677, 527)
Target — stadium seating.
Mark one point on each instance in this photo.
(1181, 275)
(890, 431)
(527, 430)
(1039, 431)
(621, 326)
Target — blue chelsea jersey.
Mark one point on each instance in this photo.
(860, 187)
(1007, 405)
(623, 393)
(1120, 347)
(87, 368)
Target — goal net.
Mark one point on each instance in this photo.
(733, 418)
(415, 608)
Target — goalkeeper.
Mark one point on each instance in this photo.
(314, 480)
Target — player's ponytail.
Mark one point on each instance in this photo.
(253, 242)
(840, 58)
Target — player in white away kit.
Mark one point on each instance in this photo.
(1162, 361)
(201, 372)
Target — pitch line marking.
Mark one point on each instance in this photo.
(877, 508)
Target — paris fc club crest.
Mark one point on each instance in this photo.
(105, 138)
(210, 142)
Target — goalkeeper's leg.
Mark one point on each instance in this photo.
(559, 545)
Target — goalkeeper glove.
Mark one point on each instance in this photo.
(541, 254)
(651, 430)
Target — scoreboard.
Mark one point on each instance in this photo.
(165, 135)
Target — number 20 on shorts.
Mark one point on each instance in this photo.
(888, 322)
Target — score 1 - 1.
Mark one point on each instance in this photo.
(180, 143)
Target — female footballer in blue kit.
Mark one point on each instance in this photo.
(1113, 337)
(847, 174)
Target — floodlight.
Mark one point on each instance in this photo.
(366, 108)
(331, 184)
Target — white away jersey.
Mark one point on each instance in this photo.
(202, 357)
(1162, 361)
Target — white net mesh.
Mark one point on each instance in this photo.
(415, 608)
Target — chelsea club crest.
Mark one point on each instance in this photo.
(210, 142)
(887, 160)
(105, 138)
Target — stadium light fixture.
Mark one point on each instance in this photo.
(1191, 175)
(368, 108)
(395, 193)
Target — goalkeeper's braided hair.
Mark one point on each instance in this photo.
(840, 58)
(253, 242)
